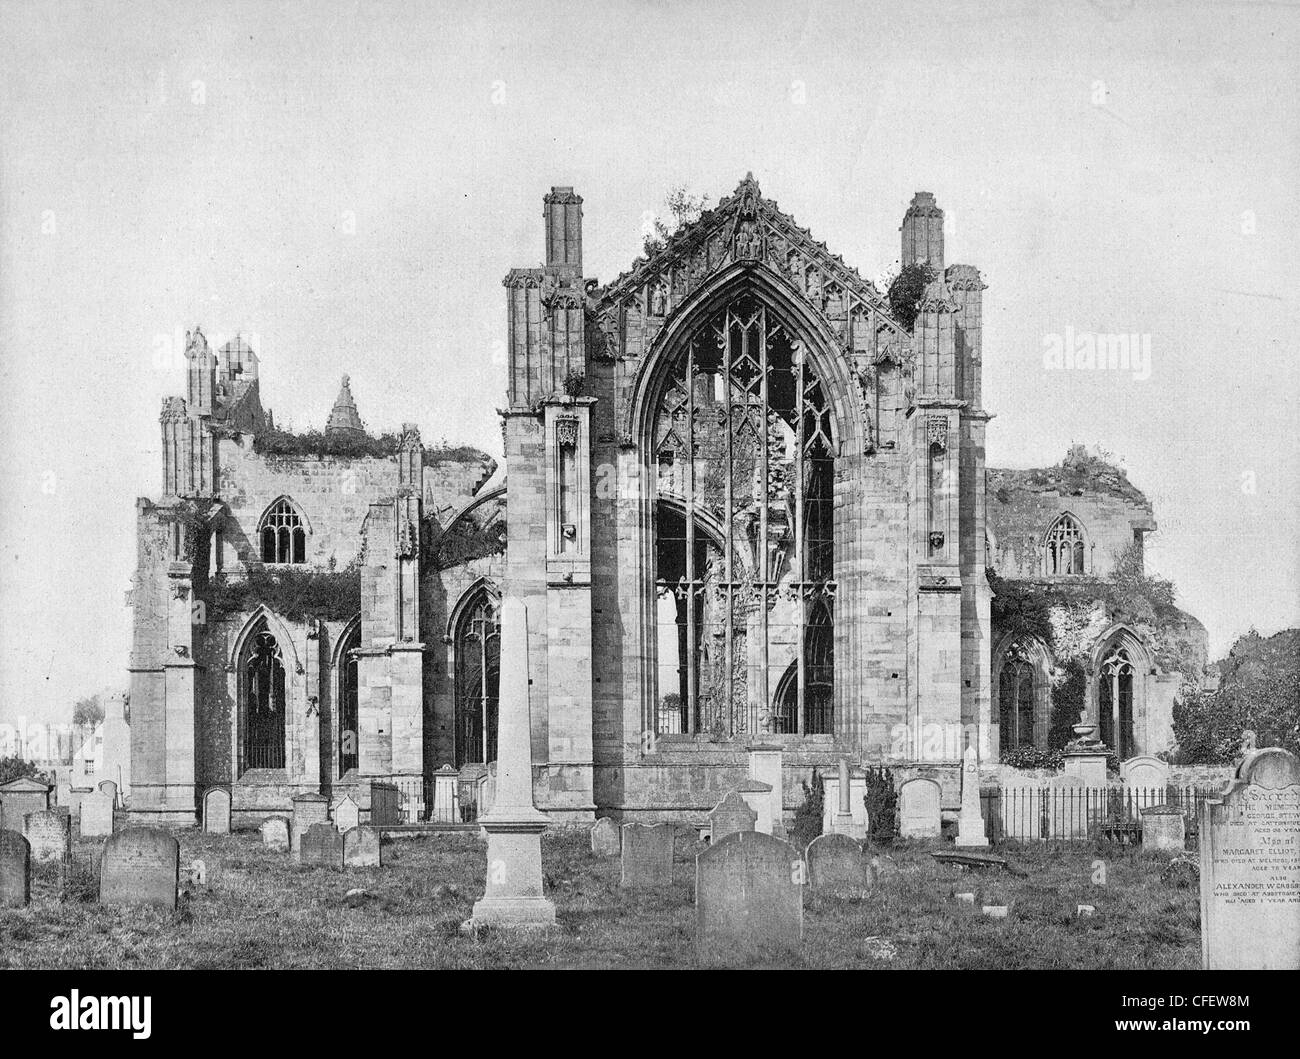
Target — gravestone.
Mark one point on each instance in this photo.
(275, 834)
(446, 808)
(765, 766)
(844, 805)
(109, 788)
(96, 815)
(838, 867)
(140, 866)
(918, 809)
(730, 815)
(1145, 780)
(15, 870)
(758, 796)
(647, 856)
(1163, 827)
(347, 815)
(362, 848)
(308, 809)
(605, 841)
(216, 811)
(970, 822)
(50, 835)
(1250, 867)
(748, 897)
(321, 846)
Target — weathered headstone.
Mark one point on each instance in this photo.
(50, 834)
(647, 856)
(766, 766)
(730, 815)
(347, 815)
(446, 809)
(275, 833)
(321, 846)
(1250, 867)
(1163, 827)
(1145, 778)
(748, 897)
(838, 867)
(15, 870)
(109, 788)
(918, 809)
(216, 811)
(758, 796)
(140, 866)
(308, 809)
(96, 815)
(362, 848)
(605, 840)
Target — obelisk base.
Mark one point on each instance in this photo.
(514, 898)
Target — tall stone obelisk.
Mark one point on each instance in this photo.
(514, 825)
(970, 823)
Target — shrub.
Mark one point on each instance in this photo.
(808, 817)
(15, 768)
(882, 805)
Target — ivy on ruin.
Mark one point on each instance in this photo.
(296, 594)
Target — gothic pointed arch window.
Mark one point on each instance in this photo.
(743, 457)
(283, 534)
(477, 647)
(1016, 698)
(262, 684)
(1064, 550)
(348, 748)
(1115, 700)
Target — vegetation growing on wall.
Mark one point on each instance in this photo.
(296, 594)
(906, 290)
(351, 446)
(1259, 691)
(808, 817)
(881, 800)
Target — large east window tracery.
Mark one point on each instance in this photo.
(744, 539)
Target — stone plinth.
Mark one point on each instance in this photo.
(1089, 765)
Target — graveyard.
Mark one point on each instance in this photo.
(257, 908)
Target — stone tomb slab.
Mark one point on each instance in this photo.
(96, 815)
(647, 856)
(216, 811)
(321, 847)
(275, 834)
(605, 838)
(15, 870)
(1250, 867)
(362, 848)
(50, 834)
(838, 867)
(140, 866)
(748, 898)
(918, 809)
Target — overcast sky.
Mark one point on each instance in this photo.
(349, 182)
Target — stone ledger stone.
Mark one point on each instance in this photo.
(748, 898)
(1250, 867)
(647, 856)
(15, 870)
(140, 866)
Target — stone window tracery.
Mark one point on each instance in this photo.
(477, 679)
(744, 459)
(1064, 547)
(283, 535)
(264, 701)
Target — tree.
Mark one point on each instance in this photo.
(683, 208)
(15, 768)
(88, 713)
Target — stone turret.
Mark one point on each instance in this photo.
(344, 418)
(922, 231)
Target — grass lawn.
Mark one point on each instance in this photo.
(262, 911)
